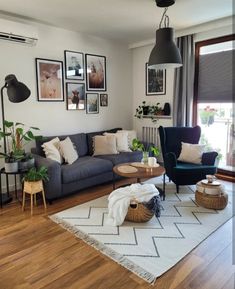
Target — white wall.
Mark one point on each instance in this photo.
(52, 117)
(140, 56)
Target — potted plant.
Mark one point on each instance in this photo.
(142, 110)
(146, 149)
(207, 115)
(35, 175)
(17, 136)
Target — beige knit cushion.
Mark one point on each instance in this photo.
(191, 153)
(131, 135)
(121, 141)
(104, 145)
(51, 149)
(68, 151)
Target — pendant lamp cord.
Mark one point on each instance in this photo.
(166, 19)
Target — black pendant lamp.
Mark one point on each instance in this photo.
(165, 53)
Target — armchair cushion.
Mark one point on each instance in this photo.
(191, 153)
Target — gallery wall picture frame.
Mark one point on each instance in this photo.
(92, 103)
(50, 80)
(103, 99)
(74, 65)
(95, 72)
(75, 96)
(155, 81)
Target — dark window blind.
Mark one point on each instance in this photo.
(216, 77)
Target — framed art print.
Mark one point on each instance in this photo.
(155, 81)
(75, 96)
(96, 72)
(74, 65)
(50, 86)
(103, 99)
(92, 103)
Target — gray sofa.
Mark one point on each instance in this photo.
(85, 172)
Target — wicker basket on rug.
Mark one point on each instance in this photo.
(138, 213)
(217, 202)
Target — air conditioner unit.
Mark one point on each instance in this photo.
(18, 32)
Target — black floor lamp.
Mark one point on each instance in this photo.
(16, 92)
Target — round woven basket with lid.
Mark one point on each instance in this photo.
(138, 213)
(217, 202)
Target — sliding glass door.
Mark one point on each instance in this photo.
(214, 98)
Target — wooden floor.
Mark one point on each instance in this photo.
(36, 253)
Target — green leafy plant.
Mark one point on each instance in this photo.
(150, 110)
(34, 175)
(17, 136)
(138, 145)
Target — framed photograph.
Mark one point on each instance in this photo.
(155, 81)
(103, 99)
(74, 65)
(92, 103)
(96, 72)
(50, 85)
(75, 96)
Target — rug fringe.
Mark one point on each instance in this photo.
(118, 258)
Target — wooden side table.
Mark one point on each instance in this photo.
(32, 188)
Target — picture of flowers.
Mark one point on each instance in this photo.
(50, 85)
(96, 72)
(92, 103)
(75, 93)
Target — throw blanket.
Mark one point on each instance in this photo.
(119, 201)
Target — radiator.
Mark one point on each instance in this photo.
(150, 135)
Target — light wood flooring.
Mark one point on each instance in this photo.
(36, 253)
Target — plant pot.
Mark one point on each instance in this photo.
(145, 110)
(11, 167)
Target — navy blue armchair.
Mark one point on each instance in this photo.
(182, 173)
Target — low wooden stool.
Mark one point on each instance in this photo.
(32, 188)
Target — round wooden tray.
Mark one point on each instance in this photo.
(141, 165)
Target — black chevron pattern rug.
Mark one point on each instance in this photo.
(147, 249)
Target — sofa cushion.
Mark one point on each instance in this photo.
(123, 157)
(84, 167)
(90, 136)
(79, 140)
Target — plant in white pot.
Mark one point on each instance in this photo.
(17, 135)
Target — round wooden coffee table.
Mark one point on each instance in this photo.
(138, 171)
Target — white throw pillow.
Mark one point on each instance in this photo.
(104, 145)
(68, 151)
(121, 141)
(191, 153)
(131, 135)
(51, 149)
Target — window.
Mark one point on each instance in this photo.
(214, 98)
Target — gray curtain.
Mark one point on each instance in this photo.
(184, 83)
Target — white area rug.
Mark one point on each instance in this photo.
(147, 249)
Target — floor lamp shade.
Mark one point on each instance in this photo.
(165, 53)
(16, 91)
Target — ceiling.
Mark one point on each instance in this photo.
(128, 21)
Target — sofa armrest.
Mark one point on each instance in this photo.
(53, 186)
(209, 158)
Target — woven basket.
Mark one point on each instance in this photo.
(218, 202)
(138, 213)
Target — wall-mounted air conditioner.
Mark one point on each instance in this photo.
(18, 32)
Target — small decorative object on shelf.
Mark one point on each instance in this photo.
(137, 145)
(167, 108)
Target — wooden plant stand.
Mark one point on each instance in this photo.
(32, 188)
